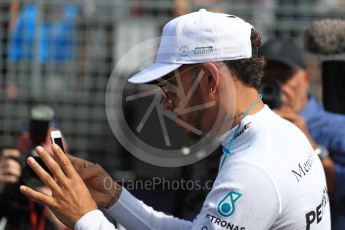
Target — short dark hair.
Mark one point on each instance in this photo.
(249, 70)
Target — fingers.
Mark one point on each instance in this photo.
(8, 153)
(64, 161)
(287, 116)
(91, 171)
(37, 196)
(284, 109)
(287, 113)
(43, 175)
(52, 165)
(78, 163)
(45, 190)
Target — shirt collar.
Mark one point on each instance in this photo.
(248, 125)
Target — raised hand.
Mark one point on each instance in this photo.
(70, 198)
(101, 186)
(10, 169)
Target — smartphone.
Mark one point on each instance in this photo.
(56, 138)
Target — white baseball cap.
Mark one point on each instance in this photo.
(198, 37)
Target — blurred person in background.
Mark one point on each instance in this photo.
(42, 33)
(54, 24)
(9, 10)
(262, 13)
(185, 6)
(324, 130)
(20, 212)
(334, 8)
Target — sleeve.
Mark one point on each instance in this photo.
(94, 220)
(237, 201)
(338, 143)
(339, 181)
(334, 132)
(131, 213)
(244, 197)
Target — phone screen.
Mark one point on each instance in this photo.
(58, 141)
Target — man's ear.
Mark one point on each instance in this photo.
(212, 75)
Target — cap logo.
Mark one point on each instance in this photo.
(203, 50)
(184, 51)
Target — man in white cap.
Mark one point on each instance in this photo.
(269, 176)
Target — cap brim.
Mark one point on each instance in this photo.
(153, 72)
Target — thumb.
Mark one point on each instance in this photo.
(10, 153)
(94, 170)
(79, 163)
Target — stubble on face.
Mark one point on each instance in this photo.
(200, 118)
(195, 118)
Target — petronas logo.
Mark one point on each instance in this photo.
(226, 206)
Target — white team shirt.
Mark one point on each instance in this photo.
(272, 180)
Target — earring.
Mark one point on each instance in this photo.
(170, 101)
(212, 91)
